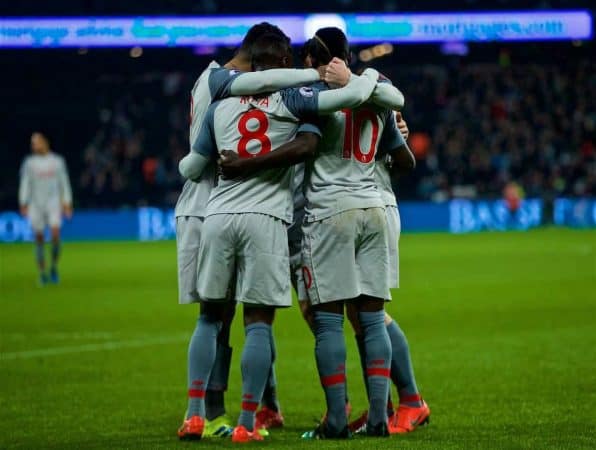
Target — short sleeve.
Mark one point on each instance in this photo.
(302, 102)
(205, 143)
(309, 128)
(391, 138)
(220, 82)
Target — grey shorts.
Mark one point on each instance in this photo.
(45, 216)
(296, 265)
(393, 233)
(346, 256)
(251, 247)
(188, 239)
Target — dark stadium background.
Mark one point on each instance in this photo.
(122, 122)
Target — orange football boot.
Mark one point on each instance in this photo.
(408, 418)
(241, 435)
(267, 418)
(192, 429)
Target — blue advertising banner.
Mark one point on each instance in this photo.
(578, 213)
(168, 31)
(455, 216)
(466, 216)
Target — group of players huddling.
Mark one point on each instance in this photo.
(289, 182)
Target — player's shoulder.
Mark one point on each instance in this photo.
(58, 158)
(294, 97)
(205, 74)
(304, 91)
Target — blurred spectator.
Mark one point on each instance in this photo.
(476, 129)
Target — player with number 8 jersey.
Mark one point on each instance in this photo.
(244, 234)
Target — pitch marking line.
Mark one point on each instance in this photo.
(114, 345)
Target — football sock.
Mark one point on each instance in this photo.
(55, 253)
(402, 371)
(201, 356)
(330, 352)
(218, 382)
(362, 353)
(39, 256)
(256, 366)
(378, 364)
(270, 393)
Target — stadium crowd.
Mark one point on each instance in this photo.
(474, 127)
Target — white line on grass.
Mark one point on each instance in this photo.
(114, 345)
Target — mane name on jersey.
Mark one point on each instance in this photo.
(260, 101)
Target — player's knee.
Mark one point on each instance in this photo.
(307, 314)
(213, 311)
(55, 232)
(352, 313)
(256, 314)
(331, 307)
(366, 303)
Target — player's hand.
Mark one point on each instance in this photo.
(402, 126)
(322, 70)
(67, 210)
(337, 73)
(24, 210)
(231, 165)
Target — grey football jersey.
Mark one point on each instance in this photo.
(342, 175)
(383, 179)
(251, 126)
(383, 173)
(44, 181)
(215, 83)
(212, 84)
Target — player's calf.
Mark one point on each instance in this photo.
(330, 351)
(256, 361)
(201, 357)
(377, 349)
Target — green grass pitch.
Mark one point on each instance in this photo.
(502, 328)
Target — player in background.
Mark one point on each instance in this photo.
(44, 195)
(244, 235)
(214, 83)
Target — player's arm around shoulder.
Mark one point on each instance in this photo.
(272, 80)
(387, 95)
(357, 91)
(384, 94)
(298, 150)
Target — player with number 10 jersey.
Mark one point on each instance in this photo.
(244, 233)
